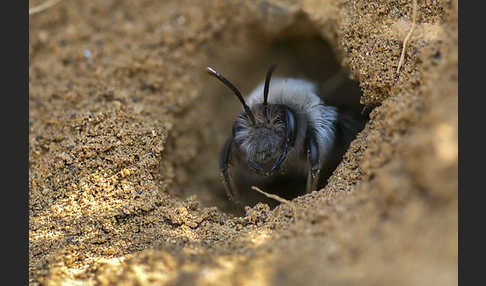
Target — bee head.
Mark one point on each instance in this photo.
(265, 144)
(264, 133)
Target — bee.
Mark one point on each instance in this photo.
(287, 140)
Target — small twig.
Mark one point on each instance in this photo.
(43, 6)
(278, 199)
(405, 41)
(275, 197)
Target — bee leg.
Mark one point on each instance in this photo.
(224, 165)
(312, 150)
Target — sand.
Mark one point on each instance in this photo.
(125, 129)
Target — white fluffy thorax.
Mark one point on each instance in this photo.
(301, 96)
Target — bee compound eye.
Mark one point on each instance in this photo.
(290, 126)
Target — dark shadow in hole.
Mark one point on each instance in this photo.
(244, 63)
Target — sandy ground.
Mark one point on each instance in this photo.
(126, 126)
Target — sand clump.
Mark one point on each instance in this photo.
(122, 145)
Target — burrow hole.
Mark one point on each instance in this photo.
(243, 57)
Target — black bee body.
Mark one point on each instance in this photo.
(286, 138)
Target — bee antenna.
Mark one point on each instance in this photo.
(226, 82)
(265, 89)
